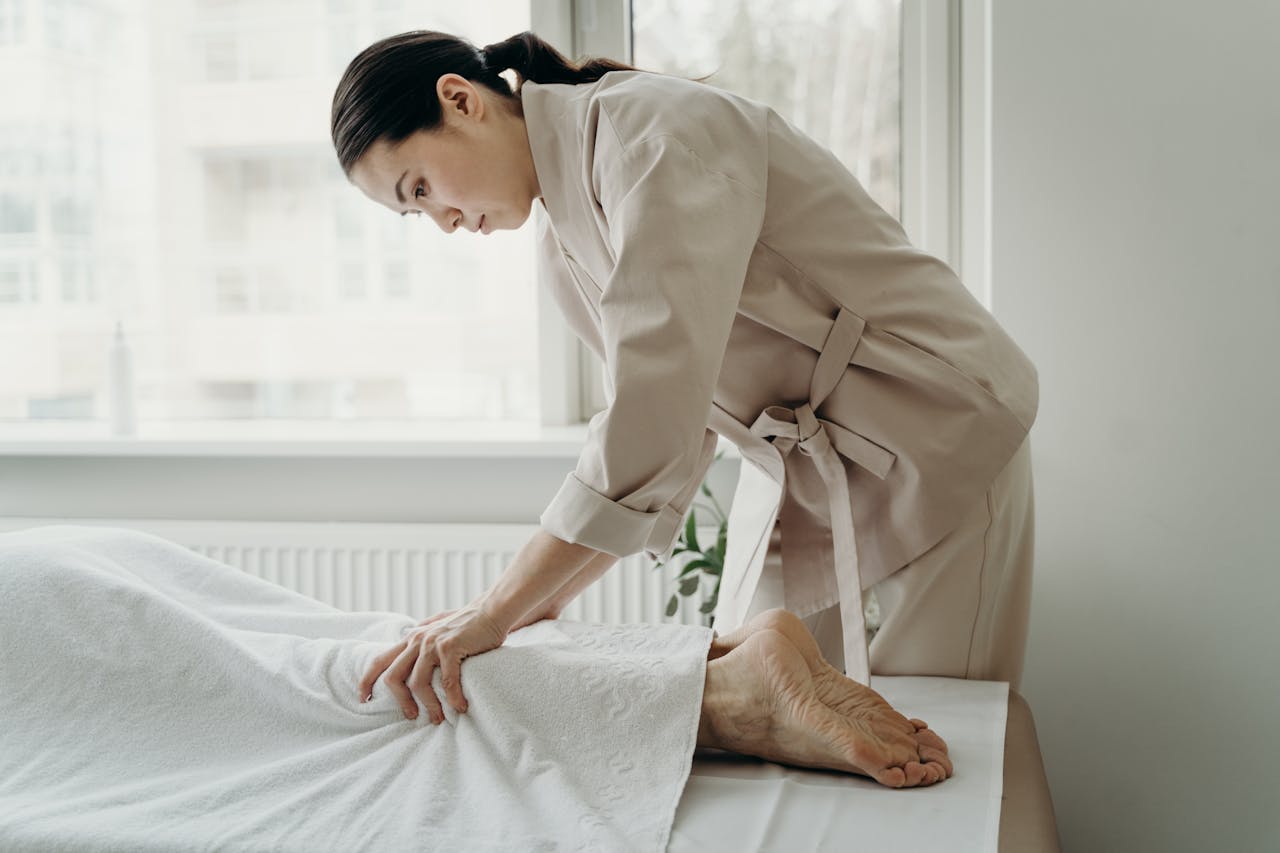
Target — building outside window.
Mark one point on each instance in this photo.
(168, 165)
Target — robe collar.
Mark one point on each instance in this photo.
(553, 142)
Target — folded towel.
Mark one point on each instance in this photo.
(155, 699)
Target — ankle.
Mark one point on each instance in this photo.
(719, 703)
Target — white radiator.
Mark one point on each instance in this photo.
(415, 569)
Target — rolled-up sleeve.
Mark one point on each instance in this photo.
(682, 232)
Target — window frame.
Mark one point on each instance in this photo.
(944, 184)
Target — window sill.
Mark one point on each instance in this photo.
(299, 438)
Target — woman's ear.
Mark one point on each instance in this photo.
(459, 98)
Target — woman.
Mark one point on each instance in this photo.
(736, 280)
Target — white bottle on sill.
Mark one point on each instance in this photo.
(121, 398)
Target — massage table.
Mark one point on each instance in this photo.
(729, 817)
(1026, 809)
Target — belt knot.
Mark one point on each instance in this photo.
(813, 439)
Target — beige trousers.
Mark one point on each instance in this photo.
(962, 608)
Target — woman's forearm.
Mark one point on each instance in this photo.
(587, 575)
(539, 571)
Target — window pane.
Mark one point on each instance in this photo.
(170, 166)
(830, 67)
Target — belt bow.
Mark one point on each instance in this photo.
(824, 441)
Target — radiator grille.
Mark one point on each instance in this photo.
(415, 569)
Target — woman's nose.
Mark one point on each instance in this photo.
(449, 220)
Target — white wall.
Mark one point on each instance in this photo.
(1136, 257)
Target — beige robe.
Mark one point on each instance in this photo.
(710, 252)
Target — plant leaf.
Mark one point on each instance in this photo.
(691, 531)
(672, 604)
(707, 606)
(711, 602)
(694, 565)
(689, 585)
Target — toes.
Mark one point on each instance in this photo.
(935, 773)
(936, 756)
(930, 737)
(919, 724)
(927, 738)
(916, 773)
(893, 777)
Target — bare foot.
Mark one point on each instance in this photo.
(838, 692)
(767, 697)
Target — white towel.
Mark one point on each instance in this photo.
(155, 699)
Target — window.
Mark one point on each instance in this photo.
(830, 67)
(174, 171)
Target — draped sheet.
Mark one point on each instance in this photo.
(154, 699)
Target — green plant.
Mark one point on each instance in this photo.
(708, 563)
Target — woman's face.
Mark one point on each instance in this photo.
(478, 168)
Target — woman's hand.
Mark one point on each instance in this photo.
(442, 640)
(550, 610)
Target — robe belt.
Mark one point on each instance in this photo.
(824, 442)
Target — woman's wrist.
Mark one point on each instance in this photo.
(543, 569)
(502, 616)
(546, 610)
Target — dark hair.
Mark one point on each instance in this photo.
(389, 89)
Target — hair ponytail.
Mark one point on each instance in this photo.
(389, 89)
(533, 58)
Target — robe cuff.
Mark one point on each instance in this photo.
(580, 514)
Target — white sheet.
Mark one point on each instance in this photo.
(737, 803)
(153, 699)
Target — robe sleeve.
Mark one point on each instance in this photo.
(682, 234)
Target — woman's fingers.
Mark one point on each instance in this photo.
(419, 683)
(451, 675)
(407, 668)
(398, 673)
(443, 614)
(408, 677)
(376, 668)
